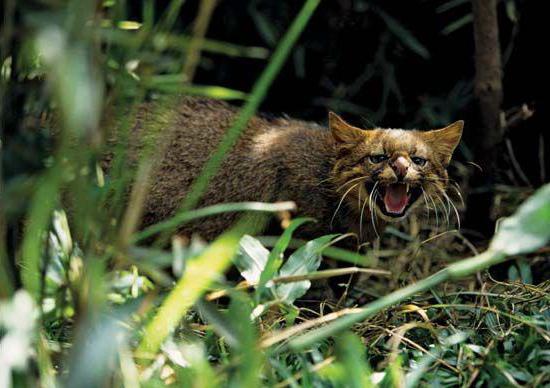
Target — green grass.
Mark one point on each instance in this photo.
(85, 301)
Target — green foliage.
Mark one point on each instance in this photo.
(102, 307)
(528, 229)
(305, 260)
(253, 261)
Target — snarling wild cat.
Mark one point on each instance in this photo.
(348, 179)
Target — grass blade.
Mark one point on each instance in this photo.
(257, 95)
(182, 218)
(275, 258)
(332, 252)
(199, 274)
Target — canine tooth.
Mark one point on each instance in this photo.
(407, 187)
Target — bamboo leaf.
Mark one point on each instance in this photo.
(351, 353)
(450, 5)
(199, 274)
(405, 36)
(457, 24)
(275, 258)
(176, 83)
(304, 260)
(251, 359)
(332, 252)
(528, 229)
(251, 259)
(180, 219)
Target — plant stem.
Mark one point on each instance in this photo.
(462, 268)
(193, 54)
(182, 218)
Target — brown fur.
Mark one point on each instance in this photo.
(285, 159)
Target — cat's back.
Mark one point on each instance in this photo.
(192, 128)
(268, 152)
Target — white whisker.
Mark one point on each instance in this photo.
(446, 209)
(435, 211)
(451, 204)
(341, 201)
(350, 181)
(371, 208)
(361, 218)
(425, 201)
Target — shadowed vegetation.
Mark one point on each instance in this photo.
(88, 298)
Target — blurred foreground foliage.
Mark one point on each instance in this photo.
(83, 302)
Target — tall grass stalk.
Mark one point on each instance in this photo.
(43, 204)
(208, 211)
(193, 52)
(199, 274)
(256, 97)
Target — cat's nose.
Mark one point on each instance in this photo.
(400, 166)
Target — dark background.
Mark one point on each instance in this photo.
(348, 40)
(405, 64)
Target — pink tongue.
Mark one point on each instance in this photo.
(396, 198)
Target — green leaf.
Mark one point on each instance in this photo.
(528, 229)
(450, 5)
(525, 271)
(248, 354)
(221, 324)
(350, 352)
(275, 258)
(198, 276)
(304, 260)
(512, 11)
(405, 36)
(251, 259)
(176, 83)
(457, 24)
(180, 219)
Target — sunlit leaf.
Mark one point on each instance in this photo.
(528, 229)
(405, 36)
(251, 259)
(304, 260)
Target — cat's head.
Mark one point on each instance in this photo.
(392, 170)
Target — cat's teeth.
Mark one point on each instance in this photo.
(407, 186)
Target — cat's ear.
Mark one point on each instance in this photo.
(444, 141)
(342, 131)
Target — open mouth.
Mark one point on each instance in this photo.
(394, 199)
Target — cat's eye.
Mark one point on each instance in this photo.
(418, 161)
(378, 158)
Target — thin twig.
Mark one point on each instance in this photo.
(282, 335)
(515, 163)
(399, 335)
(193, 53)
(513, 117)
(299, 278)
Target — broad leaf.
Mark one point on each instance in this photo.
(528, 229)
(251, 259)
(405, 36)
(275, 259)
(305, 260)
